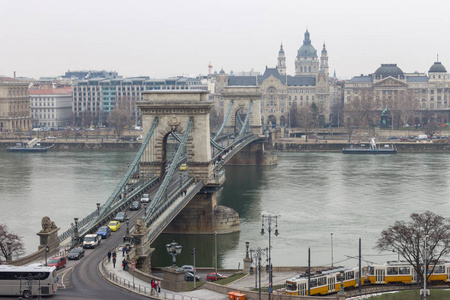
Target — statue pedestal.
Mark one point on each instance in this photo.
(49, 238)
(142, 250)
(174, 280)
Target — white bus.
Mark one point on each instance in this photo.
(27, 280)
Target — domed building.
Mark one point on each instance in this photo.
(427, 96)
(280, 92)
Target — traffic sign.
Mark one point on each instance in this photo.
(133, 267)
(133, 263)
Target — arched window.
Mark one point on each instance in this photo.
(424, 105)
(301, 69)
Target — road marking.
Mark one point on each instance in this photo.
(61, 281)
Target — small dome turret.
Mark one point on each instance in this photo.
(437, 67)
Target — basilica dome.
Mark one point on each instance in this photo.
(306, 50)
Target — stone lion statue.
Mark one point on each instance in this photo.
(47, 225)
(140, 226)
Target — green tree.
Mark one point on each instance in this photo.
(409, 239)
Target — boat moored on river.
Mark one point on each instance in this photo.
(31, 146)
(372, 148)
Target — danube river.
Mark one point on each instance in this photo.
(314, 195)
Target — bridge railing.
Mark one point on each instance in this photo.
(136, 192)
(197, 185)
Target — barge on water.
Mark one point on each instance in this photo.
(372, 149)
(31, 146)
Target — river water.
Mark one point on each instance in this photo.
(314, 195)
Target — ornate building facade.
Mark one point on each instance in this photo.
(281, 91)
(15, 113)
(390, 88)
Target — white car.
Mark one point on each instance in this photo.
(145, 198)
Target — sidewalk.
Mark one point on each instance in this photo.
(125, 280)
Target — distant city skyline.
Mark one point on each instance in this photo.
(162, 39)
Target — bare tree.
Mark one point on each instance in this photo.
(431, 128)
(10, 244)
(307, 120)
(119, 119)
(408, 239)
(356, 112)
(293, 115)
(407, 104)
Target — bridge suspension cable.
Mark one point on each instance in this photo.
(247, 118)
(130, 171)
(224, 120)
(157, 199)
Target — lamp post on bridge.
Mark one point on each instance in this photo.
(269, 227)
(98, 209)
(46, 253)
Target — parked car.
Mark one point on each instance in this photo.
(188, 268)
(114, 225)
(58, 262)
(76, 253)
(104, 232)
(91, 240)
(215, 276)
(183, 167)
(121, 216)
(145, 198)
(188, 276)
(136, 205)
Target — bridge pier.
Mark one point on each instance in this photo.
(254, 154)
(203, 216)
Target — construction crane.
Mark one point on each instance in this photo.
(210, 68)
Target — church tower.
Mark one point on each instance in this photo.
(324, 60)
(307, 62)
(281, 65)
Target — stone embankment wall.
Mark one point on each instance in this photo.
(82, 145)
(402, 147)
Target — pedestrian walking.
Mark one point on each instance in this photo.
(152, 283)
(114, 254)
(124, 264)
(159, 286)
(123, 251)
(109, 255)
(114, 262)
(153, 287)
(185, 192)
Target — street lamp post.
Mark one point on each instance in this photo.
(75, 232)
(46, 253)
(215, 252)
(269, 227)
(256, 258)
(174, 249)
(425, 269)
(9, 256)
(331, 249)
(341, 290)
(98, 209)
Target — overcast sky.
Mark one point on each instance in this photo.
(171, 37)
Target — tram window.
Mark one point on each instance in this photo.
(439, 269)
(313, 282)
(322, 281)
(349, 275)
(371, 271)
(403, 270)
(392, 271)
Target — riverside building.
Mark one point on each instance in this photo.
(51, 107)
(15, 114)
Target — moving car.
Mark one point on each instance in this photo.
(188, 268)
(121, 216)
(104, 232)
(76, 253)
(58, 262)
(136, 205)
(145, 198)
(188, 276)
(215, 276)
(183, 167)
(114, 225)
(91, 240)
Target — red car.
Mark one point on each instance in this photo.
(58, 262)
(215, 276)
